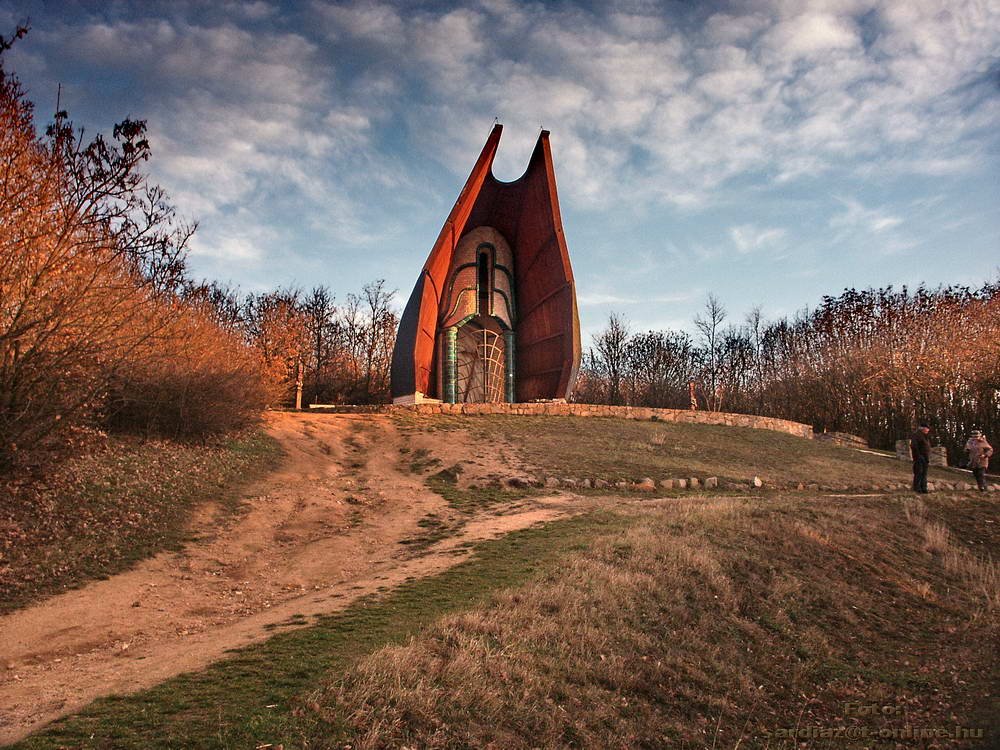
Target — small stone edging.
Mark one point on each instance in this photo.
(554, 408)
(648, 484)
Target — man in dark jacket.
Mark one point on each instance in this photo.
(920, 452)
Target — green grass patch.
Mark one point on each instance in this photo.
(434, 528)
(473, 498)
(259, 695)
(100, 514)
(421, 460)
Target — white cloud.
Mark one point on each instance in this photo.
(312, 114)
(377, 22)
(856, 216)
(749, 237)
(648, 110)
(810, 36)
(594, 299)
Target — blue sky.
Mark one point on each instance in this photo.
(768, 151)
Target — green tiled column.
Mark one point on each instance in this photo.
(450, 363)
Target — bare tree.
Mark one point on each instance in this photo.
(379, 337)
(755, 330)
(660, 364)
(612, 355)
(709, 324)
(324, 344)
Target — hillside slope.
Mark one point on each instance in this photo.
(715, 618)
(707, 623)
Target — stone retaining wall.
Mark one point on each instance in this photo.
(843, 438)
(684, 416)
(939, 454)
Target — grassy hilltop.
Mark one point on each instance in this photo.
(722, 618)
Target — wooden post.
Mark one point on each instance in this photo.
(298, 388)
(694, 399)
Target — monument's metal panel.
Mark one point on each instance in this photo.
(511, 247)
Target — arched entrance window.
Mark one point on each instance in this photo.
(477, 345)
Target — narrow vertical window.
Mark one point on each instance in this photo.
(483, 283)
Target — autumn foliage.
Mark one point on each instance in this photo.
(96, 327)
(871, 362)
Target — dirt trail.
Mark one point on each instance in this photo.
(320, 532)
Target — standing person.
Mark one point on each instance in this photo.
(920, 452)
(979, 451)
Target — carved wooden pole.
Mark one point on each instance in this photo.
(298, 387)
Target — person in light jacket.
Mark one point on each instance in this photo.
(979, 451)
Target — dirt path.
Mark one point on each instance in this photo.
(320, 532)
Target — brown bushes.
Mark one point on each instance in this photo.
(869, 362)
(194, 379)
(92, 319)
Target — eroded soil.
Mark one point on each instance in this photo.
(327, 527)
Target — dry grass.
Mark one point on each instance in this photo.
(981, 574)
(100, 513)
(709, 623)
(706, 622)
(611, 449)
(936, 538)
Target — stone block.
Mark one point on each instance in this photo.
(645, 485)
(667, 484)
(756, 482)
(681, 484)
(711, 483)
(551, 482)
(694, 483)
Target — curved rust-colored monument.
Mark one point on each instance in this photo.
(493, 315)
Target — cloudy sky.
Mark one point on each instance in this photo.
(769, 151)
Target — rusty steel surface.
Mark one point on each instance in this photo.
(526, 213)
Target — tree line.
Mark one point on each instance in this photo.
(870, 362)
(341, 353)
(102, 326)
